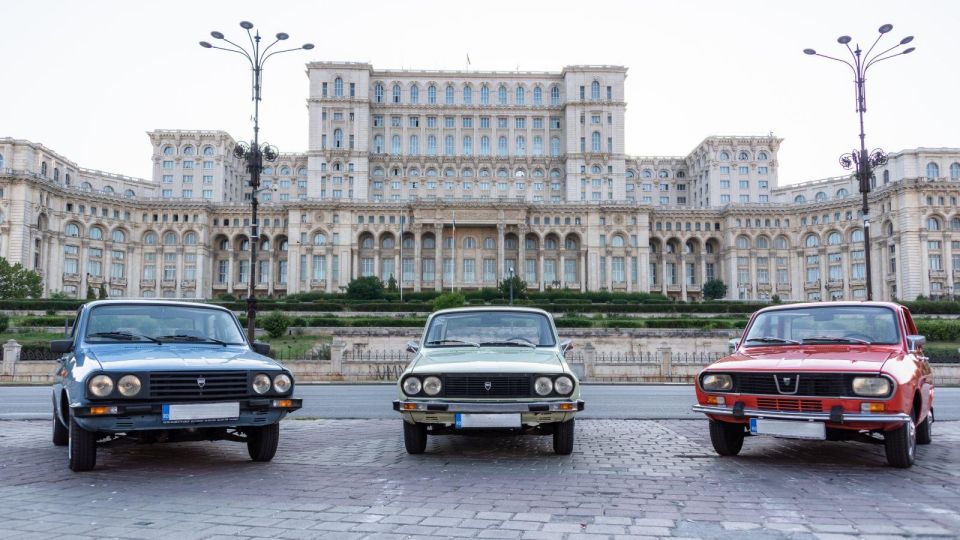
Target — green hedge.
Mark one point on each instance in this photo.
(939, 329)
(47, 320)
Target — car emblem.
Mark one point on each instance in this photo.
(787, 384)
(201, 381)
(487, 386)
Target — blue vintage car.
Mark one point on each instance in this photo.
(163, 371)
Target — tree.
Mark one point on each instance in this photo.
(102, 293)
(276, 323)
(18, 282)
(91, 294)
(519, 287)
(392, 284)
(714, 289)
(365, 288)
(449, 300)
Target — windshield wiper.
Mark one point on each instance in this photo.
(129, 336)
(510, 343)
(453, 341)
(185, 337)
(828, 339)
(771, 339)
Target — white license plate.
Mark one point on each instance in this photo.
(499, 420)
(790, 429)
(206, 412)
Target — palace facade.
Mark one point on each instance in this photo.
(446, 180)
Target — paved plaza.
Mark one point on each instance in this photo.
(352, 479)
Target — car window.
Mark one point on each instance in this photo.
(146, 322)
(827, 324)
(490, 327)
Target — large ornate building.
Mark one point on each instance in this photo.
(453, 179)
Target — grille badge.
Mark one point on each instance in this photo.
(787, 383)
(201, 382)
(487, 386)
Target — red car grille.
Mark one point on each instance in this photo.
(790, 405)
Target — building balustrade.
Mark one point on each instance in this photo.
(812, 284)
(835, 284)
(168, 283)
(148, 283)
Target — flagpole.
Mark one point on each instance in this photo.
(402, 218)
(453, 279)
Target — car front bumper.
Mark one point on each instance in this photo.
(119, 417)
(491, 407)
(838, 417)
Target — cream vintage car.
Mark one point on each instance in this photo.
(488, 368)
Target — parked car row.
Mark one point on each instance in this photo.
(159, 371)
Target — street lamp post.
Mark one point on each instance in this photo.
(864, 162)
(511, 285)
(254, 153)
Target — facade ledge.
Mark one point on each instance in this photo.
(812, 284)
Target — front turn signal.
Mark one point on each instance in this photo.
(872, 407)
(716, 400)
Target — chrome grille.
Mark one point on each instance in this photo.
(476, 386)
(183, 386)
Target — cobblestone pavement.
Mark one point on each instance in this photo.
(352, 479)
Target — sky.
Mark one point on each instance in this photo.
(88, 79)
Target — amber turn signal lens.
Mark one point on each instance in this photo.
(716, 400)
(872, 407)
(568, 406)
(282, 403)
(103, 410)
(409, 406)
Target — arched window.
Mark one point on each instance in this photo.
(319, 239)
(378, 93)
(484, 145)
(96, 233)
(431, 145)
(467, 145)
(245, 245)
(168, 150)
(43, 168)
(378, 144)
(72, 230)
(190, 238)
(396, 93)
(811, 241)
(834, 238)
(595, 90)
(743, 156)
(537, 145)
(302, 171)
(954, 169)
(408, 242)
(933, 170)
(743, 242)
(763, 242)
(799, 199)
(555, 146)
(395, 147)
(781, 243)
(595, 141)
(617, 241)
(467, 95)
(108, 190)
(284, 245)
(537, 95)
(820, 196)
(285, 171)
(520, 96)
(502, 95)
(429, 242)
(489, 243)
(842, 192)
(208, 150)
(933, 224)
(521, 145)
(118, 236)
(555, 95)
(856, 235)
(448, 145)
(886, 177)
(550, 243)
(150, 238)
(414, 94)
(724, 155)
(169, 238)
(761, 156)
(570, 243)
(338, 138)
(86, 186)
(56, 173)
(431, 94)
(265, 245)
(378, 171)
(366, 242)
(484, 95)
(338, 88)
(449, 172)
(414, 144)
(388, 242)
(502, 146)
(188, 150)
(469, 243)
(448, 95)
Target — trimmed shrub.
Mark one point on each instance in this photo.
(4, 322)
(448, 300)
(939, 329)
(276, 323)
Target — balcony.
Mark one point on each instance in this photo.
(188, 283)
(934, 274)
(118, 282)
(764, 287)
(219, 285)
(835, 284)
(784, 287)
(318, 283)
(168, 283)
(148, 283)
(812, 284)
(71, 277)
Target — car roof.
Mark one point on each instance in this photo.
(492, 308)
(152, 301)
(848, 303)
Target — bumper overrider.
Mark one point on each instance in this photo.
(568, 406)
(835, 416)
(98, 410)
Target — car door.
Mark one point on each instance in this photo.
(62, 376)
(925, 384)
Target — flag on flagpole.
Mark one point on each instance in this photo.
(468, 59)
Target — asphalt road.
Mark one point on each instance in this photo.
(374, 401)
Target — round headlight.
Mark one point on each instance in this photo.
(282, 383)
(101, 386)
(129, 385)
(411, 386)
(563, 385)
(261, 383)
(871, 386)
(716, 382)
(432, 386)
(543, 386)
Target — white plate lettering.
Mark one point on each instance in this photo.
(191, 412)
(498, 420)
(790, 429)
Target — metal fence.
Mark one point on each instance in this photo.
(376, 356)
(643, 357)
(701, 358)
(38, 355)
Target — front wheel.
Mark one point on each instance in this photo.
(727, 438)
(414, 437)
(563, 437)
(925, 429)
(262, 442)
(82, 448)
(901, 445)
(61, 434)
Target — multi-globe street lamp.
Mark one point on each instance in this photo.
(254, 153)
(864, 161)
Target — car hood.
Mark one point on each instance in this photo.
(176, 357)
(487, 360)
(852, 359)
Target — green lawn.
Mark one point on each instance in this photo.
(30, 338)
(293, 346)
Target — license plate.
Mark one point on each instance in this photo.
(204, 412)
(790, 429)
(473, 420)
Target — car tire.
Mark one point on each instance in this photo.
(901, 445)
(925, 429)
(61, 434)
(262, 442)
(563, 437)
(82, 448)
(414, 437)
(727, 438)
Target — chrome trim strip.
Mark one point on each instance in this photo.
(497, 407)
(818, 417)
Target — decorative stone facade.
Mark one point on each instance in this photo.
(451, 179)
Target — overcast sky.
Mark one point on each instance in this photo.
(88, 79)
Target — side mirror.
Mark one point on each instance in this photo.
(413, 347)
(61, 346)
(566, 345)
(914, 343)
(261, 348)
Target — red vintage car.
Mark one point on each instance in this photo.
(823, 371)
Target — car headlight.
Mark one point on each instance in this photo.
(563, 385)
(129, 385)
(716, 382)
(432, 386)
(411, 386)
(282, 383)
(543, 386)
(261, 383)
(871, 386)
(101, 386)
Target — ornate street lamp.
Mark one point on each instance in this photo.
(863, 161)
(254, 153)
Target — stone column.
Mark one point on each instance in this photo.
(609, 276)
(500, 238)
(11, 355)
(540, 275)
(522, 254)
(683, 277)
(663, 272)
(582, 271)
(230, 276)
(438, 262)
(355, 260)
(628, 270)
(561, 271)
(416, 260)
(179, 281)
(328, 270)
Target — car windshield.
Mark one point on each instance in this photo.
(490, 328)
(824, 325)
(161, 323)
